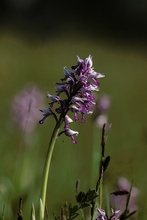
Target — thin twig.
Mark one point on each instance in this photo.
(19, 217)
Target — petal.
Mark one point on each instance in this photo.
(54, 98)
(47, 111)
(89, 61)
(70, 132)
(68, 72)
(73, 140)
(79, 59)
(67, 119)
(102, 212)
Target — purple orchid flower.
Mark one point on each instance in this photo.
(78, 86)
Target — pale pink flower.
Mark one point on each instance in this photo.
(25, 108)
(119, 201)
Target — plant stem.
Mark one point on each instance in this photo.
(102, 167)
(101, 189)
(95, 158)
(47, 166)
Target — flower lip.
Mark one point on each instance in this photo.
(71, 133)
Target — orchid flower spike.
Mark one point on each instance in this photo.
(77, 88)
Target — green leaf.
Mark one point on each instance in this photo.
(91, 195)
(33, 212)
(80, 197)
(74, 209)
(41, 210)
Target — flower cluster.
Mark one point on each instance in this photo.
(77, 88)
(103, 216)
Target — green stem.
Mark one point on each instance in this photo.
(95, 158)
(47, 168)
(102, 167)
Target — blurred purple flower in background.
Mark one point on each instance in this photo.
(103, 104)
(119, 201)
(25, 108)
(100, 110)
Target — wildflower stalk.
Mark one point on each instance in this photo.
(77, 86)
(100, 189)
(96, 155)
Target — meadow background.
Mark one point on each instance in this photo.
(36, 41)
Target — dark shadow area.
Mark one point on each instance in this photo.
(119, 19)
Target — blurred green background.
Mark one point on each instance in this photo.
(37, 39)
